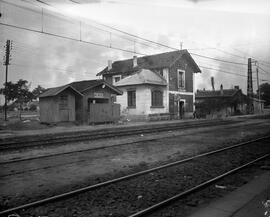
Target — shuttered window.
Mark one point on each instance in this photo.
(131, 94)
(157, 98)
(181, 79)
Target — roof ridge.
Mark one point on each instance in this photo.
(184, 50)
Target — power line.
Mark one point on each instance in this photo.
(224, 61)
(69, 38)
(266, 65)
(263, 70)
(153, 42)
(160, 44)
(261, 61)
(230, 53)
(202, 56)
(88, 25)
(227, 72)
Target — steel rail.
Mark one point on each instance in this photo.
(67, 153)
(90, 149)
(133, 175)
(163, 203)
(98, 135)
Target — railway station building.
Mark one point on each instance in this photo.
(89, 101)
(160, 85)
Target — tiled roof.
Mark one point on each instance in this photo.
(216, 93)
(143, 76)
(79, 87)
(163, 60)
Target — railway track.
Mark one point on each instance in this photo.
(187, 192)
(70, 153)
(6, 145)
(147, 172)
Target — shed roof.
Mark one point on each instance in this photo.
(56, 90)
(79, 87)
(162, 60)
(143, 76)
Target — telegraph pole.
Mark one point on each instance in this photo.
(6, 63)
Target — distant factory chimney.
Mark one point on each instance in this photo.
(213, 83)
(135, 61)
(221, 89)
(109, 65)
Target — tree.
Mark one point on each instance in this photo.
(265, 93)
(17, 92)
(37, 91)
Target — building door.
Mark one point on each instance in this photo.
(99, 110)
(181, 109)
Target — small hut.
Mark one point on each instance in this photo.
(89, 101)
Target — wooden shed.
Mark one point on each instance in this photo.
(89, 101)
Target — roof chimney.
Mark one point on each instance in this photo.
(213, 83)
(109, 65)
(135, 61)
(221, 89)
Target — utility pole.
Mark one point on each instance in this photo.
(249, 89)
(6, 63)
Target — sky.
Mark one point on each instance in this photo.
(230, 30)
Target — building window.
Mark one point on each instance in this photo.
(157, 98)
(63, 102)
(131, 94)
(116, 78)
(181, 79)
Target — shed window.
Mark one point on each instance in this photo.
(157, 98)
(181, 79)
(131, 94)
(63, 102)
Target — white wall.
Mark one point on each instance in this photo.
(143, 101)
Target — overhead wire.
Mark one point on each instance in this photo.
(65, 37)
(70, 38)
(227, 72)
(263, 70)
(258, 59)
(157, 43)
(81, 23)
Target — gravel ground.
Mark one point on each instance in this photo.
(60, 174)
(127, 197)
(194, 202)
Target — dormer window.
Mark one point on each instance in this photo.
(116, 78)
